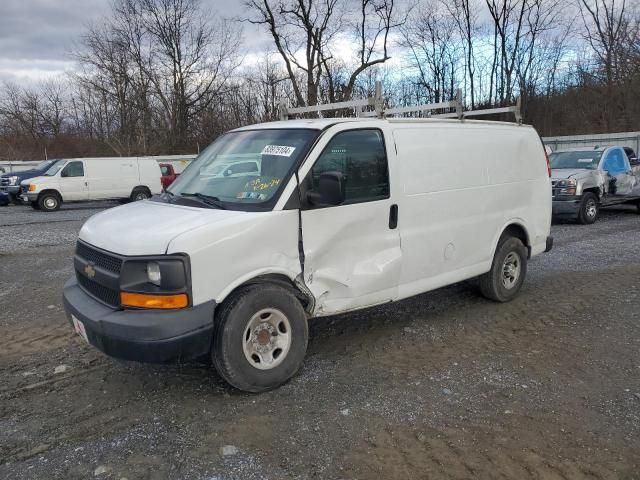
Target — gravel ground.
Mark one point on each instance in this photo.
(442, 385)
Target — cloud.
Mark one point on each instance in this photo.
(37, 36)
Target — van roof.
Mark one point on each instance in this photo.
(322, 123)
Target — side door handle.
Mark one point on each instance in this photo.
(393, 216)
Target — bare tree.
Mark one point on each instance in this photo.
(430, 38)
(304, 32)
(465, 15)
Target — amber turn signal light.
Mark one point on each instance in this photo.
(143, 300)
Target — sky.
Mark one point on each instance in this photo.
(37, 36)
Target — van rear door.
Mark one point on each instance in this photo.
(352, 250)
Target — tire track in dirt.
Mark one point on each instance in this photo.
(34, 340)
(401, 453)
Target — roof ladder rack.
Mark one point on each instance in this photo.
(377, 102)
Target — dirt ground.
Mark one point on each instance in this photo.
(443, 385)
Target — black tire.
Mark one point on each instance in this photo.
(15, 199)
(35, 205)
(140, 193)
(49, 202)
(589, 210)
(492, 283)
(232, 337)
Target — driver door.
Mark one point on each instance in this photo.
(620, 178)
(73, 181)
(352, 249)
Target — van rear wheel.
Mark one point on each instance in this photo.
(140, 193)
(260, 338)
(508, 271)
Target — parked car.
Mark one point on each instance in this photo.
(587, 179)
(10, 182)
(238, 165)
(169, 174)
(384, 210)
(83, 179)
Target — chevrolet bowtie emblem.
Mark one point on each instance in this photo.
(89, 271)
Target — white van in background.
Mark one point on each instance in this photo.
(82, 179)
(343, 214)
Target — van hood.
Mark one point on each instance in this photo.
(40, 178)
(562, 173)
(147, 227)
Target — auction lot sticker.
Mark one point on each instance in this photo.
(279, 150)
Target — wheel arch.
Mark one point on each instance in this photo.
(49, 191)
(293, 285)
(140, 187)
(515, 228)
(593, 189)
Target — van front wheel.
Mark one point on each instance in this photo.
(49, 202)
(260, 338)
(508, 270)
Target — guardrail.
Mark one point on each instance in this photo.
(622, 139)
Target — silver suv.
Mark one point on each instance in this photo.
(585, 179)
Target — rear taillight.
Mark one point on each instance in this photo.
(546, 157)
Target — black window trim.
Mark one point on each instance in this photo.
(303, 184)
(67, 166)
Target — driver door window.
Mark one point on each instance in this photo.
(73, 169)
(360, 156)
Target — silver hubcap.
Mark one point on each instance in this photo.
(511, 270)
(267, 339)
(591, 209)
(141, 196)
(50, 202)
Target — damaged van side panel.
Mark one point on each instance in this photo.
(352, 257)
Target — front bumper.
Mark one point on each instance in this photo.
(155, 336)
(566, 205)
(29, 197)
(11, 189)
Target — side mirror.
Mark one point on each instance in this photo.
(63, 173)
(329, 192)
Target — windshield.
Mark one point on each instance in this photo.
(244, 168)
(588, 159)
(55, 168)
(42, 165)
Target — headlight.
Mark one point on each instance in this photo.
(13, 180)
(571, 182)
(153, 273)
(167, 277)
(33, 187)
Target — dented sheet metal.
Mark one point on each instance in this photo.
(354, 257)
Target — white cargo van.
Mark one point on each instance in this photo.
(82, 179)
(344, 214)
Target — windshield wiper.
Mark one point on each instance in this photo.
(208, 199)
